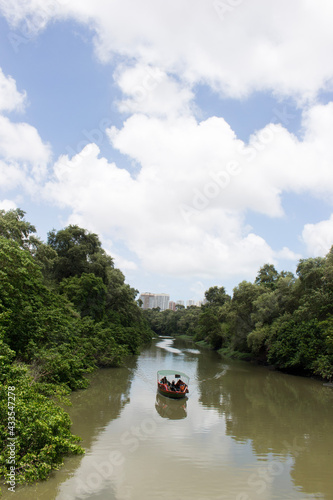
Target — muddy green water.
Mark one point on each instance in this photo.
(244, 433)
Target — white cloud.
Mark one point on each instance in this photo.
(23, 155)
(151, 91)
(10, 98)
(287, 254)
(318, 237)
(183, 212)
(252, 47)
(7, 205)
(11, 175)
(21, 142)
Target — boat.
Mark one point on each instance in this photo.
(173, 384)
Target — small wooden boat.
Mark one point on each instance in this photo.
(172, 384)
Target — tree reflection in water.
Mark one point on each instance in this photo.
(279, 414)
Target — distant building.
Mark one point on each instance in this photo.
(172, 305)
(152, 300)
(147, 300)
(180, 303)
(190, 303)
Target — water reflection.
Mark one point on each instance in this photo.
(172, 409)
(280, 415)
(166, 345)
(104, 400)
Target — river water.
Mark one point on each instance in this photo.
(244, 433)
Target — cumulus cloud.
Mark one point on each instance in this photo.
(184, 208)
(151, 91)
(7, 205)
(250, 46)
(21, 142)
(10, 98)
(318, 237)
(23, 155)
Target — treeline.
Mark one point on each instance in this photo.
(64, 311)
(280, 319)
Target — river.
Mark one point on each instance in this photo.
(244, 433)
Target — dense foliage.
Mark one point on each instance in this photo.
(280, 319)
(64, 310)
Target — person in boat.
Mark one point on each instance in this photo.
(180, 385)
(173, 386)
(164, 380)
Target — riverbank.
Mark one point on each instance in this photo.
(228, 353)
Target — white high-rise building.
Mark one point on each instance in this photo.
(190, 303)
(152, 300)
(161, 300)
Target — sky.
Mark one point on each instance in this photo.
(194, 137)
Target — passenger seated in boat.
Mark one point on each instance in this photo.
(173, 386)
(180, 385)
(165, 381)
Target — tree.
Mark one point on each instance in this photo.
(239, 315)
(295, 346)
(78, 251)
(315, 288)
(216, 296)
(21, 294)
(211, 327)
(267, 276)
(88, 294)
(14, 227)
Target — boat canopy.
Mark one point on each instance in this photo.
(173, 374)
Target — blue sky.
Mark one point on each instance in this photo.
(193, 138)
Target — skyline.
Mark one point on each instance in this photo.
(194, 139)
(150, 300)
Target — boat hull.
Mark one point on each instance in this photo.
(172, 394)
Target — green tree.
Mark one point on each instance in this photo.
(295, 346)
(14, 227)
(267, 276)
(88, 294)
(211, 329)
(78, 251)
(240, 314)
(21, 294)
(216, 296)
